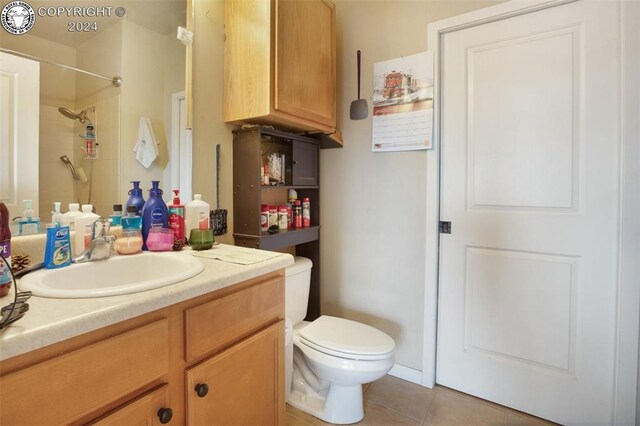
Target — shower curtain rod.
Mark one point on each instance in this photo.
(116, 81)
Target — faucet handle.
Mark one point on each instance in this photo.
(100, 228)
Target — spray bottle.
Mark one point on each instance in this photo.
(176, 220)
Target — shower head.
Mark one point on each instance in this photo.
(82, 115)
(68, 162)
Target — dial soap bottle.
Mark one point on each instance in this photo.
(154, 213)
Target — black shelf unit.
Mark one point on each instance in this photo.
(300, 172)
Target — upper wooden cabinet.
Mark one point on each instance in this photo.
(279, 64)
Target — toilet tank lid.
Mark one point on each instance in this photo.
(347, 337)
(301, 264)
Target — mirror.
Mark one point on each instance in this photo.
(142, 48)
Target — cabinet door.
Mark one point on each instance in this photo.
(243, 385)
(305, 164)
(305, 71)
(150, 410)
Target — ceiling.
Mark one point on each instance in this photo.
(161, 16)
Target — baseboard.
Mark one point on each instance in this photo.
(406, 373)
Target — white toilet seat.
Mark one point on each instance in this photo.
(346, 339)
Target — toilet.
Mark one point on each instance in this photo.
(328, 360)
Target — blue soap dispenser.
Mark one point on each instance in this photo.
(28, 224)
(154, 212)
(135, 197)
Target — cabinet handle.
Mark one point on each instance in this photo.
(165, 415)
(202, 389)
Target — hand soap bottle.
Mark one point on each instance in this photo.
(154, 212)
(56, 215)
(28, 224)
(135, 197)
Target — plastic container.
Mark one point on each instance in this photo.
(160, 239)
(5, 250)
(154, 213)
(201, 239)
(84, 229)
(264, 217)
(69, 218)
(176, 220)
(116, 215)
(131, 222)
(135, 197)
(283, 220)
(28, 224)
(306, 212)
(56, 215)
(57, 252)
(297, 214)
(196, 214)
(129, 243)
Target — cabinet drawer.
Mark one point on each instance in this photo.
(142, 411)
(86, 379)
(216, 324)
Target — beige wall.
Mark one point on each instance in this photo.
(373, 205)
(208, 127)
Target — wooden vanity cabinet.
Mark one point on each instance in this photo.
(279, 64)
(147, 370)
(239, 386)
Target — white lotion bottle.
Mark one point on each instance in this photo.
(69, 218)
(84, 228)
(196, 215)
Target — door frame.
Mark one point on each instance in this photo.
(628, 271)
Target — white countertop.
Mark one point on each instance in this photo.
(50, 321)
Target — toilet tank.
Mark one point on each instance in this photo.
(296, 289)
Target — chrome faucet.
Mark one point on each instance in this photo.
(101, 243)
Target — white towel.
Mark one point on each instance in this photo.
(146, 148)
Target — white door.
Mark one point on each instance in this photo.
(19, 132)
(530, 144)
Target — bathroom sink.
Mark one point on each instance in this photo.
(113, 276)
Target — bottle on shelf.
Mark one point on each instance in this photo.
(90, 140)
(306, 212)
(297, 214)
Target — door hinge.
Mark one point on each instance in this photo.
(445, 227)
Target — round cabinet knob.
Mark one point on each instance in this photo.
(202, 389)
(165, 415)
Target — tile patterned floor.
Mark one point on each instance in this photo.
(394, 402)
